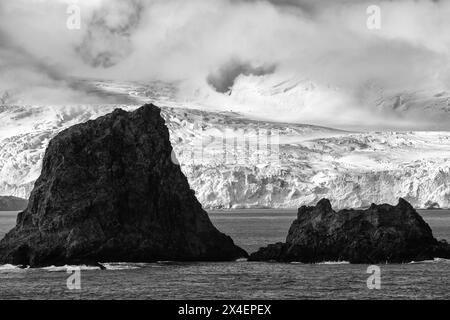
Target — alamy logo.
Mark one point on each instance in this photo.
(74, 16)
(233, 147)
(374, 281)
(74, 280)
(374, 18)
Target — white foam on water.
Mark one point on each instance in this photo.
(9, 267)
(435, 260)
(242, 260)
(68, 267)
(423, 261)
(441, 260)
(122, 266)
(334, 262)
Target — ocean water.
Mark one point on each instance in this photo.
(236, 280)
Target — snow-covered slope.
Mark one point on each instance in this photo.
(352, 169)
(298, 165)
(24, 134)
(299, 100)
(234, 160)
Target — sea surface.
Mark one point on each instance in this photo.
(235, 280)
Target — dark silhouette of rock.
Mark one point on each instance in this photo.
(382, 233)
(9, 203)
(109, 191)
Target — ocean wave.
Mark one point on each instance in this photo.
(435, 260)
(9, 267)
(122, 265)
(68, 267)
(241, 260)
(441, 260)
(334, 262)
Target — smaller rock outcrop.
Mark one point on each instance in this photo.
(12, 203)
(380, 234)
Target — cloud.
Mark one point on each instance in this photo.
(224, 78)
(107, 39)
(326, 42)
(36, 60)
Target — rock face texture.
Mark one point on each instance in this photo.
(109, 191)
(12, 204)
(382, 233)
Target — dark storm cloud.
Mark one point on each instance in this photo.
(223, 79)
(326, 42)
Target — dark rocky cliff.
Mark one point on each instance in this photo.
(382, 233)
(109, 191)
(12, 203)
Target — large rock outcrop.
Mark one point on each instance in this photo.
(109, 191)
(8, 203)
(382, 233)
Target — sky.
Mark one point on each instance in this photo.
(209, 44)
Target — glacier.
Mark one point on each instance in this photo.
(352, 169)
(226, 167)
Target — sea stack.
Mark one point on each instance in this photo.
(380, 234)
(109, 191)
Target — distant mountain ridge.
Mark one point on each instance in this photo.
(9, 203)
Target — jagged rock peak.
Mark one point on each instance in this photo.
(108, 191)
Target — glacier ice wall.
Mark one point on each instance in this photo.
(353, 169)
